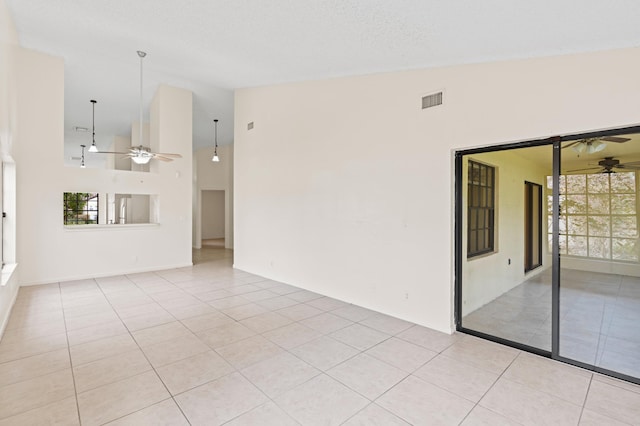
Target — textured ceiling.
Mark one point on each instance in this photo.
(213, 46)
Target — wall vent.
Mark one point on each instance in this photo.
(432, 100)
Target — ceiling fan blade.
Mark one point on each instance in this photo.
(628, 166)
(571, 144)
(614, 139)
(161, 158)
(164, 154)
(582, 170)
(110, 152)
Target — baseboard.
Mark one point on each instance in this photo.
(109, 274)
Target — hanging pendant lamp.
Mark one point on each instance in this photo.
(141, 156)
(215, 150)
(93, 147)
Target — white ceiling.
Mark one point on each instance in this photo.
(213, 46)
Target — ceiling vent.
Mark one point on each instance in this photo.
(432, 100)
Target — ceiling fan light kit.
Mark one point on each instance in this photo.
(593, 145)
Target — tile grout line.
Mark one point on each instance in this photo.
(586, 396)
(73, 375)
(491, 387)
(145, 356)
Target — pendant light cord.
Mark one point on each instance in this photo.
(141, 54)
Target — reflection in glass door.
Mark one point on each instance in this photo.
(599, 294)
(505, 267)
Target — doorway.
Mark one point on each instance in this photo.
(565, 281)
(532, 226)
(213, 218)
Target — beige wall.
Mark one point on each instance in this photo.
(49, 252)
(9, 281)
(345, 186)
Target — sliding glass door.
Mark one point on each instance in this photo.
(548, 249)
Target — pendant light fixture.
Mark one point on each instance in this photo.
(82, 166)
(93, 147)
(142, 156)
(215, 150)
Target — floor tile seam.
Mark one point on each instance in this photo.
(240, 371)
(40, 375)
(405, 375)
(73, 376)
(584, 401)
(317, 368)
(616, 385)
(424, 347)
(500, 376)
(34, 354)
(150, 367)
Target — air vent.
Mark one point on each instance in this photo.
(432, 100)
(80, 129)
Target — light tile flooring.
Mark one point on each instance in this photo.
(599, 318)
(211, 345)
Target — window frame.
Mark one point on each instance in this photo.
(481, 206)
(72, 216)
(565, 233)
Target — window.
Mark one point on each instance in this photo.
(80, 208)
(597, 215)
(481, 208)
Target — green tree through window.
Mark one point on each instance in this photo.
(598, 216)
(80, 208)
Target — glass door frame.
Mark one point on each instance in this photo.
(555, 142)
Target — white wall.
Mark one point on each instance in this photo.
(213, 209)
(345, 186)
(49, 252)
(9, 279)
(210, 176)
(486, 277)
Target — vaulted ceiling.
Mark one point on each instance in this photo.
(212, 47)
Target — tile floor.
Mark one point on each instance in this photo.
(599, 318)
(211, 345)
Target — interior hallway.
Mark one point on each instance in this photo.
(208, 344)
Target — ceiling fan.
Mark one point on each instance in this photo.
(142, 155)
(592, 145)
(607, 164)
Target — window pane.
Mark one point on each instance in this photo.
(599, 226)
(624, 226)
(623, 204)
(576, 184)
(623, 182)
(598, 183)
(625, 249)
(577, 246)
(599, 247)
(577, 225)
(598, 204)
(576, 204)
